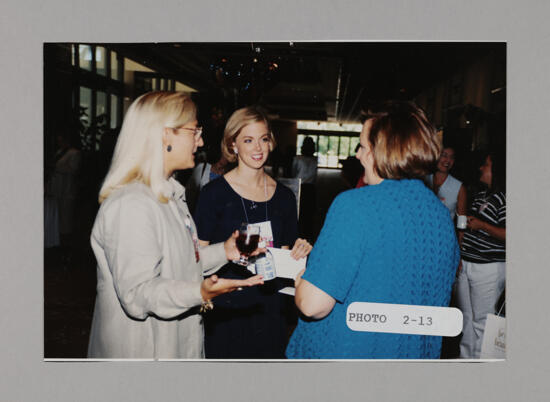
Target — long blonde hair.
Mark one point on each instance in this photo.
(138, 155)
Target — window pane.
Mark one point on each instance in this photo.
(85, 105)
(73, 51)
(322, 150)
(333, 151)
(315, 141)
(148, 84)
(85, 57)
(114, 66)
(299, 142)
(344, 147)
(328, 126)
(101, 105)
(353, 144)
(114, 111)
(154, 84)
(100, 62)
(85, 117)
(101, 116)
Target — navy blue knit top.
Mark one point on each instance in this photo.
(251, 323)
(388, 243)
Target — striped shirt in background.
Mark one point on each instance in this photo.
(478, 246)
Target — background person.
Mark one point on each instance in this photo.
(450, 190)
(150, 267)
(304, 167)
(212, 164)
(377, 245)
(61, 193)
(481, 279)
(252, 323)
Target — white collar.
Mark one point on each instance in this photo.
(177, 191)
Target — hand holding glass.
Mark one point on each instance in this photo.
(247, 242)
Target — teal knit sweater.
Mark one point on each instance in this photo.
(389, 243)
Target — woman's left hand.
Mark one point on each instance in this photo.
(474, 223)
(301, 249)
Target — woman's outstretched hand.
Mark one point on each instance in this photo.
(301, 249)
(231, 250)
(214, 286)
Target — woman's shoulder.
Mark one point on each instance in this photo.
(283, 191)
(353, 197)
(500, 197)
(215, 195)
(131, 201)
(136, 192)
(394, 189)
(217, 185)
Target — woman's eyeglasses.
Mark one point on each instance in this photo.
(197, 131)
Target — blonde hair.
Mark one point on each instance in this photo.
(239, 120)
(138, 155)
(404, 143)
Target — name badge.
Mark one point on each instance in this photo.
(266, 234)
(195, 238)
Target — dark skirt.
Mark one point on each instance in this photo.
(251, 323)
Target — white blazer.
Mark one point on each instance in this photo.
(148, 279)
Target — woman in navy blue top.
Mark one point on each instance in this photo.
(392, 241)
(249, 325)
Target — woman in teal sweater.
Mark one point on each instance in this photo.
(392, 241)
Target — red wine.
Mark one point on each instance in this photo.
(244, 247)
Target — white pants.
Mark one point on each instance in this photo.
(478, 289)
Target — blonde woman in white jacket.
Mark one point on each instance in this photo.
(150, 286)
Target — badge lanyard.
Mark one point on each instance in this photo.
(189, 227)
(194, 237)
(265, 192)
(265, 227)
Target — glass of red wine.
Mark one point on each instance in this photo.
(247, 242)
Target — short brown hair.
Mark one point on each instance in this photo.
(403, 141)
(239, 120)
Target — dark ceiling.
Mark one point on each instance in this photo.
(310, 80)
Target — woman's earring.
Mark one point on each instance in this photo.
(169, 148)
(236, 151)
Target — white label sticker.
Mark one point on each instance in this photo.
(404, 319)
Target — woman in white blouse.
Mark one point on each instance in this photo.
(449, 190)
(150, 286)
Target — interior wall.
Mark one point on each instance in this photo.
(58, 94)
(477, 79)
(286, 133)
(130, 68)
